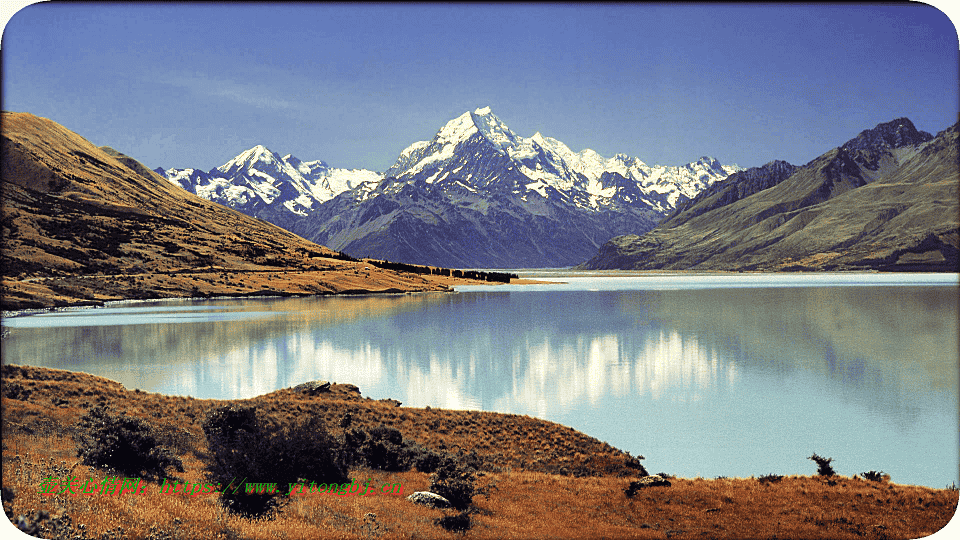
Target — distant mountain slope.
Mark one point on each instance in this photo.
(886, 200)
(737, 186)
(81, 224)
(476, 195)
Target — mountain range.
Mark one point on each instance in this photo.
(884, 200)
(476, 195)
(83, 224)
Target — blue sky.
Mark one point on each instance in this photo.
(192, 85)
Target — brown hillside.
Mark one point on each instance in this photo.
(82, 225)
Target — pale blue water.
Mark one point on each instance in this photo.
(732, 375)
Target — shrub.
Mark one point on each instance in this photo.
(245, 449)
(7, 495)
(873, 476)
(383, 449)
(771, 478)
(423, 459)
(123, 443)
(454, 482)
(823, 465)
(14, 390)
(632, 462)
(460, 523)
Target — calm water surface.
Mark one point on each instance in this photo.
(704, 376)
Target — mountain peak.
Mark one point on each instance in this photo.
(893, 134)
(249, 157)
(256, 153)
(494, 130)
(456, 130)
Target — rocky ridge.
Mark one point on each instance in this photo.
(885, 200)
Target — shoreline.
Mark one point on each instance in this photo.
(331, 282)
(341, 277)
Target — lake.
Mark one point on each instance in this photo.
(703, 375)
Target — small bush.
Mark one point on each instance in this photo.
(454, 482)
(873, 476)
(460, 523)
(823, 465)
(423, 459)
(770, 478)
(124, 443)
(7, 495)
(383, 449)
(15, 390)
(245, 449)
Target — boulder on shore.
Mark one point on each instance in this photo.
(313, 388)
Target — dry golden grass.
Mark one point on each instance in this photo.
(523, 501)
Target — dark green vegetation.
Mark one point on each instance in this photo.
(479, 275)
(126, 444)
(247, 446)
(885, 200)
(823, 465)
(244, 447)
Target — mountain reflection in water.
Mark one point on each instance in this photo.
(736, 381)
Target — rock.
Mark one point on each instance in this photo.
(645, 482)
(427, 498)
(652, 481)
(393, 402)
(313, 388)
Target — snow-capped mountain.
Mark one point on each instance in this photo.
(476, 195)
(579, 177)
(259, 180)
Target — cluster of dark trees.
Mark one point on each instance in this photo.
(338, 255)
(500, 277)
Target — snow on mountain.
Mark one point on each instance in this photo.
(475, 195)
(544, 161)
(259, 176)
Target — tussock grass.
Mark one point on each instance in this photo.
(518, 497)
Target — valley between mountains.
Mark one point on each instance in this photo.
(83, 225)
